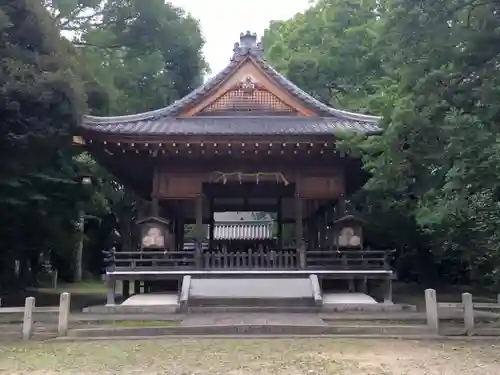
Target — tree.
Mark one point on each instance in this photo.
(41, 100)
(430, 68)
(329, 50)
(132, 56)
(440, 149)
(74, 15)
(144, 55)
(136, 56)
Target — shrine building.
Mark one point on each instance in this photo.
(247, 140)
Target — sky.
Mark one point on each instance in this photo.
(222, 21)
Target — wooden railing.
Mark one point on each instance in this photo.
(285, 259)
(256, 259)
(149, 260)
(347, 259)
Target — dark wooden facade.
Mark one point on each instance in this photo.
(247, 140)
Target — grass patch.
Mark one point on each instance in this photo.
(83, 287)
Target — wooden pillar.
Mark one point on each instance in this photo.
(181, 235)
(299, 232)
(155, 207)
(314, 232)
(280, 223)
(319, 224)
(137, 287)
(321, 228)
(325, 240)
(179, 232)
(211, 225)
(199, 230)
(175, 231)
(171, 235)
(155, 203)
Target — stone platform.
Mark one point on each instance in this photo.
(251, 288)
(152, 299)
(348, 298)
(226, 295)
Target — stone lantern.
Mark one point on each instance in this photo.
(348, 232)
(154, 233)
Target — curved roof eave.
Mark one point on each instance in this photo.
(175, 108)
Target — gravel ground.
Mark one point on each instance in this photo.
(242, 357)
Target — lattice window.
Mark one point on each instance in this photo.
(248, 101)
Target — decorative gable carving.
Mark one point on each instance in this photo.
(250, 97)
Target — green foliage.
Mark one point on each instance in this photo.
(41, 100)
(143, 56)
(131, 56)
(430, 68)
(328, 50)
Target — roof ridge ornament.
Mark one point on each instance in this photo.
(248, 45)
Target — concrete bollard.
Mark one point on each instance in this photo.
(0, 302)
(431, 310)
(316, 289)
(185, 290)
(29, 308)
(468, 313)
(498, 298)
(64, 309)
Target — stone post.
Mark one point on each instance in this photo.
(431, 310)
(185, 289)
(468, 313)
(110, 289)
(316, 289)
(29, 308)
(64, 308)
(388, 291)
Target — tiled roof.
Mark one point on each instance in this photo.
(238, 125)
(165, 121)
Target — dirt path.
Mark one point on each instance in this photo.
(249, 357)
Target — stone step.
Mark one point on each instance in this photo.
(254, 302)
(251, 288)
(294, 309)
(249, 329)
